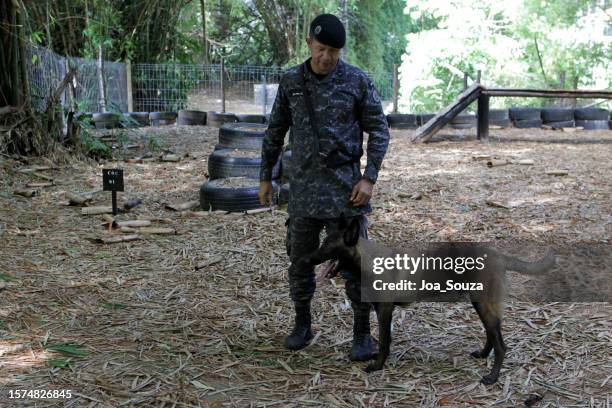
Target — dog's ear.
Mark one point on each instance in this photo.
(351, 235)
(342, 224)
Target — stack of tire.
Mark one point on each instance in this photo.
(162, 118)
(592, 118)
(234, 167)
(558, 118)
(191, 118)
(524, 118)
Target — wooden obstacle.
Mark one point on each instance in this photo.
(483, 95)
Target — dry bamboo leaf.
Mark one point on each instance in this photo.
(43, 176)
(208, 262)
(497, 204)
(33, 169)
(183, 206)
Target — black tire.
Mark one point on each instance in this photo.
(499, 115)
(250, 118)
(562, 124)
(610, 124)
(286, 168)
(162, 122)
(557, 115)
(517, 114)
(135, 119)
(283, 194)
(215, 196)
(403, 126)
(191, 117)
(168, 116)
(227, 163)
(593, 124)
(106, 120)
(218, 119)
(424, 118)
(528, 124)
(463, 125)
(501, 123)
(591, 114)
(401, 120)
(464, 119)
(85, 118)
(242, 135)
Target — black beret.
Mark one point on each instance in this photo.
(328, 30)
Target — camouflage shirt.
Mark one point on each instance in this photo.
(345, 105)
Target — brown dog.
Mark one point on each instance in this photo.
(356, 253)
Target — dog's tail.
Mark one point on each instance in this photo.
(530, 268)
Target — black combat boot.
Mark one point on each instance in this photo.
(301, 334)
(364, 347)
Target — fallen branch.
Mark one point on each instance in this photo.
(96, 210)
(117, 238)
(25, 192)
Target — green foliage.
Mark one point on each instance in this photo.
(526, 43)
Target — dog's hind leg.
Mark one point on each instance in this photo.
(490, 315)
(384, 312)
(484, 353)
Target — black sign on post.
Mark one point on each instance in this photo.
(112, 180)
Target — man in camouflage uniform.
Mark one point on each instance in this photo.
(326, 179)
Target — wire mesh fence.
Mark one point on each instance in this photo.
(46, 70)
(159, 87)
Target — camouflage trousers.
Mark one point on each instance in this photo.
(303, 239)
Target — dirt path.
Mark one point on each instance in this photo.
(157, 332)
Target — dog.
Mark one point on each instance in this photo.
(355, 253)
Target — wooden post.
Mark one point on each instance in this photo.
(465, 81)
(483, 117)
(128, 72)
(395, 87)
(101, 82)
(478, 76)
(222, 73)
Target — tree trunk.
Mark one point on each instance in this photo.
(204, 39)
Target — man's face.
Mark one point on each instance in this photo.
(324, 57)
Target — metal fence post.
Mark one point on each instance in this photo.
(395, 87)
(222, 86)
(264, 94)
(128, 73)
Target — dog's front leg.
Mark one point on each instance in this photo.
(384, 313)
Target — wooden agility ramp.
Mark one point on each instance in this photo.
(483, 95)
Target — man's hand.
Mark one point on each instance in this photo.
(362, 192)
(265, 193)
